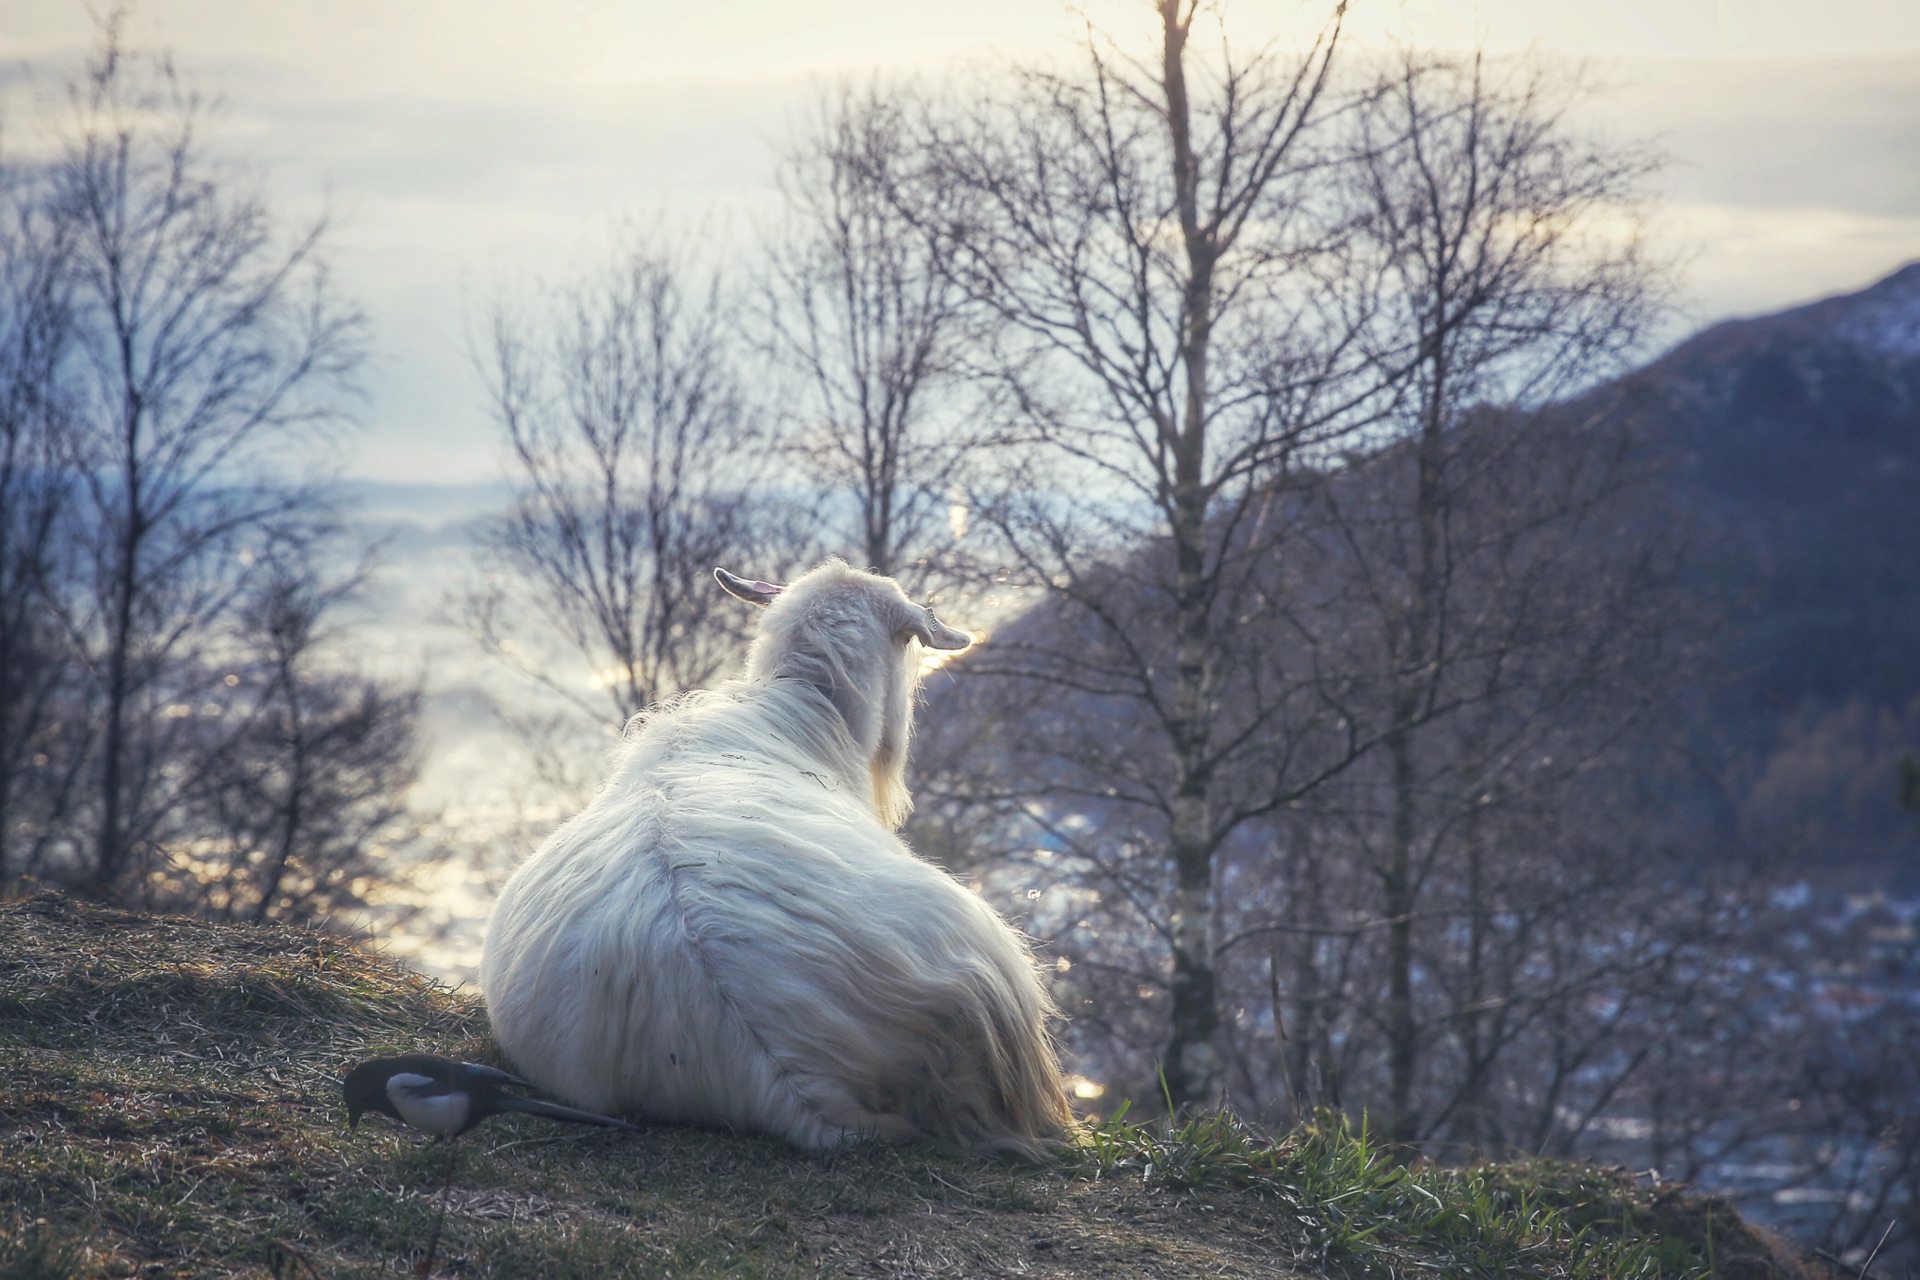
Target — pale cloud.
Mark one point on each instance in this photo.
(1745, 260)
(1690, 29)
(463, 145)
(1836, 132)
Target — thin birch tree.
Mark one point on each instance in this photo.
(1168, 331)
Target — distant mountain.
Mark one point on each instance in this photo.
(1796, 443)
(1793, 450)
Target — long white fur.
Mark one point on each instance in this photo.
(731, 933)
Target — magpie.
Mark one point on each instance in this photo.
(446, 1098)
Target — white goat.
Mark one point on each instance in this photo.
(731, 933)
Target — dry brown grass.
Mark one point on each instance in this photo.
(170, 1106)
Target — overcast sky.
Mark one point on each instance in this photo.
(463, 145)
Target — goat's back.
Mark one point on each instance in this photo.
(727, 936)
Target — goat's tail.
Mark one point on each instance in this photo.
(1035, 1119)
(990, 1079)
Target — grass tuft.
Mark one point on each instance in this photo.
(1363, 1213)
(37, 1251)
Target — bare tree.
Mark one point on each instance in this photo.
(637, 471)
(207, 350)
(39, 745)
(1490, 570)
(1505, 283)
(857, 304)
(1294, 359)
(299, 790)
(168, 729)
(1171, 337)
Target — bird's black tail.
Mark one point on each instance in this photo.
(554, 1111)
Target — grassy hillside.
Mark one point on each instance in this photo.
(169, 1106)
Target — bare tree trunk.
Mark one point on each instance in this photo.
(294, 815)
(1192, 1060)
(1478, 1059)
(1422, 661)
(1397, 881)
(110, 851)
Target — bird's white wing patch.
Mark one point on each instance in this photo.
(414, 1098)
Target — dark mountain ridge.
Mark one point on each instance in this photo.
(1795, 442)
(1788, 448)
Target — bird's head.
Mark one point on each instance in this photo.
(366, 1090)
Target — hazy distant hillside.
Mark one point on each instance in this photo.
(1797, 443)
(1794, 450)
(1800, 442)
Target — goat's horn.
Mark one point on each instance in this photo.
(760, 593)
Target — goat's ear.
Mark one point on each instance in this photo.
(932, 632)
(760, 593)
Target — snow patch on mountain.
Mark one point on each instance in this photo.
(1886, 317)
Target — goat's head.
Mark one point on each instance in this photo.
(849, 634)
